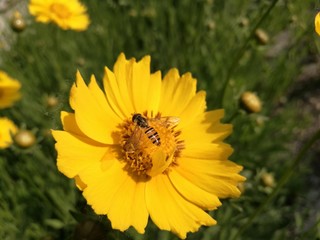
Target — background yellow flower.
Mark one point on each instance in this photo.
(9, 90)
(317, 23)
(7, 128)
(66, 14)
(168, 163)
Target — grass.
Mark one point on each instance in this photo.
(216, 42)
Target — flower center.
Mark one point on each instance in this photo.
(150, 145)
(60, 10)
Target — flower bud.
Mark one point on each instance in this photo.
(250, 102)
(268, 179)
(261, 36)
(52, 101)
(24, 139)
(17, 22)
(244, 22)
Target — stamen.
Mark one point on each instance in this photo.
(150, 147)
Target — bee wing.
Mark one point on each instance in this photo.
(133, 141)
(170, 121)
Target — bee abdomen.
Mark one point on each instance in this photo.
(153, 136)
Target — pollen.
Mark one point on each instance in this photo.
(150, 146)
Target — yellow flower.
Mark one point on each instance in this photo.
(146, 147)
(69, 14)
(317, 23)
(7, 128)
(9, 90)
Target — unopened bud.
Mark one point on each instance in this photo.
(52, 101)
(268, 179)
(261, 36)
(250, 102)
(17, 22)
(24, 138)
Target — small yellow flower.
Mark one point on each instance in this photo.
(146, 147)
(9, 90)
(7, 128)
(317, 23)
(69, 14)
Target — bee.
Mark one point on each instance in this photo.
(143, 127)
(151, 133)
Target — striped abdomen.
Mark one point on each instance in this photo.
(153, 136)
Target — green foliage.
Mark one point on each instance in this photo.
(205, 37)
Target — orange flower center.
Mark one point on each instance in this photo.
(60, 10)
(150, 145)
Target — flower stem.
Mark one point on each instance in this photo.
(233, 116)
(241, 51)
(286, 176)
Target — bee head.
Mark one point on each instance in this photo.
(136, 117)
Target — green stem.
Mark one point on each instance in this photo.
(241, 52)
(289, 172)
(164, 235)
(233, 116)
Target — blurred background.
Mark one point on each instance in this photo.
(259, 60)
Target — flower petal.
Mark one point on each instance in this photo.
(139, 84)
(154, 93)
(102, 184)
(69, 123)
(193, 193)
(128, 207)
(170, 211)
(176, 91)
(76, 152)
(222, 175)
(115, 193)
(317, 23)
(206, 128)
(117, 92)
(203, 150)
(93, 118)
(194, 108)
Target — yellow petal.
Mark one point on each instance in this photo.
(317, 23)
(7, 129)
(128, 207)
(217, 177)
(139, 84)
(154, 93)
(76, 153)
(102, 185)
(195, 107)
(201, 150)
(120, 104)
(80, 185)
(206, 128)
(170, 211)
(193, 193)
(160, 162)
(69, 123)
(176, 91)
(119, 83)
(93, 118)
